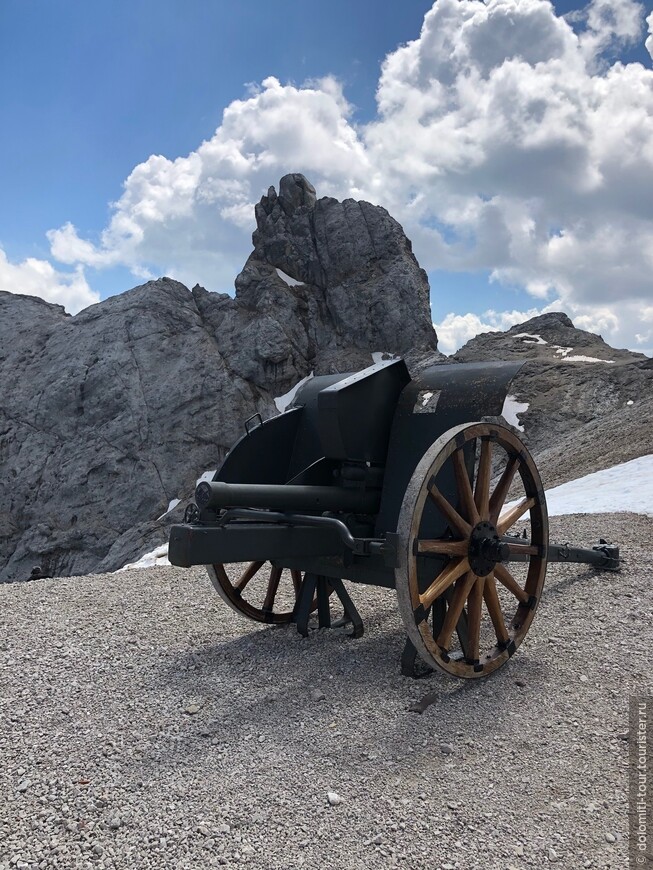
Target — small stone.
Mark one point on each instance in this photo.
(334, 798)
(98, 850)
(521, 683)
(23, 786)
(114, 823)
(610, 838)
(552, 855)
(583, 678)
(446, 748)
(317, 695)
(204, 831)
(376, 841)
(224, 828)
(519, 849)
(192, 709)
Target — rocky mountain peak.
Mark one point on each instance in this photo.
(547, 322)
(550, 337)
(347, 265)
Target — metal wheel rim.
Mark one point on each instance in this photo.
(409, 595)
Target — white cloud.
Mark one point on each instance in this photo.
(35, 277)
(507, 139)
(649, 39)
(610, 23)
(193, 216)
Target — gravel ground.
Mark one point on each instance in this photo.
(143, 724)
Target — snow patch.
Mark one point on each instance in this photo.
(291, 282)
(173, 504)
(382, 356)
(581, 358)
(564, 352)
(282, 402)
(624, 487)
(154, 559)
(207, 476)
(511, 411)
(530, 339)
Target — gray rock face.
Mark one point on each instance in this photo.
(335, 277)
(108, 416)
(588, 403)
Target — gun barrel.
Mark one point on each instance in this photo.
(279, 497)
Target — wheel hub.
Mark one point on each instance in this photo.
(486, 549)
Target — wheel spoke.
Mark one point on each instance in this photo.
(450, 513)
(460, 593)
(247, 575)
(464, 487)
(454, 569)
(504, 576)
(501, 491)
(273, 585)
(494, 609)
(508, 520)
(482, 491)
(443, 547)
(474, 602)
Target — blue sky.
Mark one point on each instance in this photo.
(91, 90)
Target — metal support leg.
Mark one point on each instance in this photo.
(305, 603)
(411, 664)
(323, 610)
(350, 609)
(314, 584)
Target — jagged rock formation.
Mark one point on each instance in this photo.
(327, 283)
(589, 406)
(107, 416)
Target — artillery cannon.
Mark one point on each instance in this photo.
(379, 479)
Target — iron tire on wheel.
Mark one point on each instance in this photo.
(473, 552)
(234, 594)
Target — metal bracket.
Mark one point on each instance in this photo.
(249, 428)
(358, 546)
(611, 553)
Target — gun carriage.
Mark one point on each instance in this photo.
(380, 479)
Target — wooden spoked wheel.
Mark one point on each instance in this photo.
(467, 585)
(257, 590)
